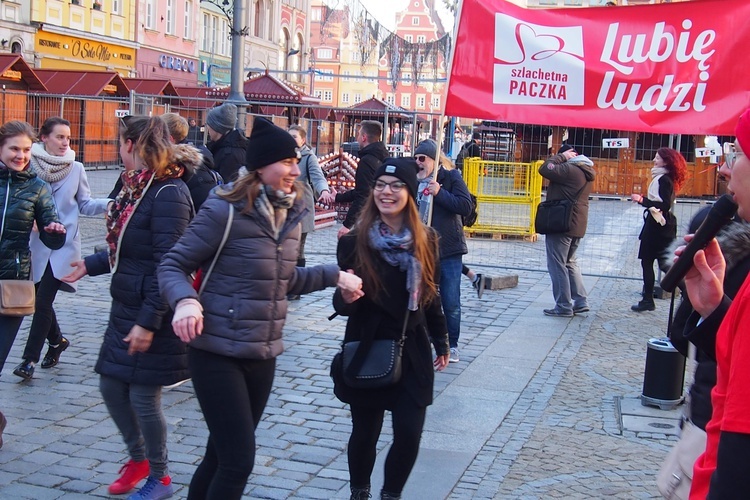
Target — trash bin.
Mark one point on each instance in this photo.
(664, 375)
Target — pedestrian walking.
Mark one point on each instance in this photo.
(659, 223)
(314, 187)
(397, 258)
(54, 162)
(140, 352)
(226, 142)
(721, 472)
(443, 187)
(234, 327)
(570, 177)
(25, 200)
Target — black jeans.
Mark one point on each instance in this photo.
(44, 323)
(367, 422)
(232, 394)
(9, 326)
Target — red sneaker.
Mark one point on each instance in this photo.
(130, 474)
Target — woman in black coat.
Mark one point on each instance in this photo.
(140, 352)
(659, 223)
(396, 256)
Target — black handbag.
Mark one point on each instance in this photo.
(554, 216)
(370, 364)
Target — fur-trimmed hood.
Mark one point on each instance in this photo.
(186, 155)
(734, 240)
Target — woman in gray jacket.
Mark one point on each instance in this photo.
(234, 327)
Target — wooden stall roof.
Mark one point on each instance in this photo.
(84, 83)
(267, 88)
(376, 108)
(14, 62)
(195, 97)
(151, 86)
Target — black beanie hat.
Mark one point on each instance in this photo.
(268, 144)
(405, 169)
(564, 148)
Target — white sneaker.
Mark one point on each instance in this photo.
(454, 355)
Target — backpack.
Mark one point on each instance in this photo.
(471, 219)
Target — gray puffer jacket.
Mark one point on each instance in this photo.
(244, 299)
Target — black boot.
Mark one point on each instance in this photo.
(644, 305)
(360, 493)
(384, 495)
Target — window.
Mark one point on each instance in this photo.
(319, 94)
(170, 17)
(214, 33)
(256, 18)
(436, 102)
(188, 28)
(415, 21)
(116, 6)
(317, 15)
(409, 38)
(150, 14)
(224, 37)
(345, 97)
(357, 98)
(421, 39)
(406, 79)
(390, 99)
(346, 75)
(325, 53)
(407, 58)
(406, 101)
(327, 95)
(420, 102)
(205, 45)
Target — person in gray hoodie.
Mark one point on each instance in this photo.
(570, 177)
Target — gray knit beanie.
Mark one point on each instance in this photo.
(222, 118)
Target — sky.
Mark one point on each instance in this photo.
(385, 11)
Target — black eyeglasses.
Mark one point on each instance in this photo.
(395, 186)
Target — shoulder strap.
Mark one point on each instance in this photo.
(224, 238)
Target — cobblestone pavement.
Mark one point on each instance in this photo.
(559, 436)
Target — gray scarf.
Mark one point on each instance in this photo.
(398, 251)
(274, 205)
(50, 168)
(424, 198)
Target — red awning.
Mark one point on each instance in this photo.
(195, 97)
(14, 62)
(374, 107)
(151, 86)
(83, 83)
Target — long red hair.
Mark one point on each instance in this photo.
(675, 164)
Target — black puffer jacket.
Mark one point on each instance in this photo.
(370, 158)
(201, 177)
(452, 201)
(154, 226)
(244, 299)
(571, 180)
(28, 200)
(229, 154)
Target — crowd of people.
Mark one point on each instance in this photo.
(205, 246)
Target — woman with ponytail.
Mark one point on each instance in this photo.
(54, 162)
(140, 352)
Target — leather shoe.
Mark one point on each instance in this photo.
(53, 354)
(643, 305)
(560, 314)
(580, 310)
(25, 370)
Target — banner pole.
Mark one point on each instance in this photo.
(440, 134)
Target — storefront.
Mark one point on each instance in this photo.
(181, 70)
(214, 71)
(58, 51)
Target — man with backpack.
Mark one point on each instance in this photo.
(471, 149)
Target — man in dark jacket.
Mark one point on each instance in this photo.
(372, 152)
(195, 136)
(570, 177)
(227, 144)
(471, 149)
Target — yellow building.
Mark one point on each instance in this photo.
(358, 81)
(85, 35)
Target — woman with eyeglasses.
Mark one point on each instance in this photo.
(443, 188)
(721, 472)
(54, 162)
(396, 256)
(659, 223)
(140, 352)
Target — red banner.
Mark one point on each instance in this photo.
(666, 68)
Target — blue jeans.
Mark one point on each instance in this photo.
(567, 282)
(450, 296)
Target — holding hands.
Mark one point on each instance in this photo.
(635, 197)
(327, 198)
(350, 285)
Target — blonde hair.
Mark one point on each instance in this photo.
(177, 125)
